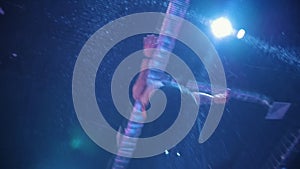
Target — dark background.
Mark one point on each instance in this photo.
(39, 43)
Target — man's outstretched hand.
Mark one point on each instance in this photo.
(220, 98)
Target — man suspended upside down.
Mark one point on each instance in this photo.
(150, 79)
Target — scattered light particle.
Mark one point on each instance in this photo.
(14, 54)
(2, 11)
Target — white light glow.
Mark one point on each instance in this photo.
(221, 27)
(240, 34)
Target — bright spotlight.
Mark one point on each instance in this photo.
(240, 34)
(221, 27)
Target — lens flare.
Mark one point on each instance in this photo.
(241, 33)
